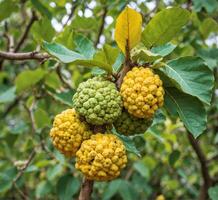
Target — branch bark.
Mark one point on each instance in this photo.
(86, 189)
(101, 29)
(25, 34)
(207, 181)
(34, 55)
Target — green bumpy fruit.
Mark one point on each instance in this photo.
(68, 132)
(128, 125)
(98, 101)
(102, 157)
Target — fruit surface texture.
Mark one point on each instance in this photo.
(102, 157)
(98, 101)
(142, 92)
(128, 125)
(68, 132)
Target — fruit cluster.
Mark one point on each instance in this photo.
(101, 156)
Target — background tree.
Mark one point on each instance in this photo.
(34, 87)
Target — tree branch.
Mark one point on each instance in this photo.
(86, 189)
(207, 181)
(101, 29)
(25, 34)
(71, 12)
(34, 55)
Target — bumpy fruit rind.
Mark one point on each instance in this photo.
(102, 157)
(142, 92)
(68, 132)
(128, 125)
(98, 101)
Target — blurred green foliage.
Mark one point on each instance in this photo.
(32, 93)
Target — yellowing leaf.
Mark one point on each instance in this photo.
(128, 29)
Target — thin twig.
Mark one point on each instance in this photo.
(31, 116)
(30, 158)
(73, 8)
(101, 29)
(34, 55)
(207, 181)
(25, 34)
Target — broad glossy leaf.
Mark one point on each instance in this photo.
(164, 26)
(28, 78)
(209, 5)
(111, 189)
(118, 63)
(191, 110)
(208, 26)
(213, 192)
(141, 54)
(128, 29)
(7, 7)
(88, 24)
(42, 118)
(67, 186)
(7, 95)
(107, 55)
(62, 53)
(84, 46)
(164, 50)
(63, 97)
(142, 169)
(129, 144)
(67, 56)
(43, 188)
(192, 76)
(43, 30)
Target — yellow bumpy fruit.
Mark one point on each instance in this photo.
(102, 157)
(142, 92)
(160, 197)
(68, 132)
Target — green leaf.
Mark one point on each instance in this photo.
(43, 188)
(210, 56)
(164, 26)
(126, 191)
(43, 30)
(141, 54)
(213, 192)
(7, 7)
(84, 46)
(8, 95)
(129, 143)
(54, 171)
(118, 63)
(67, 56)
(42, 118)
(62, 53)
(208, 26)
(112, 189)
(163, 50)
(67, 186)
(107, 55)
(192, 76)
(191, 111)
(63, 97)
(42, 8)
(66, 38)
(173, 157)
(52, 80)
(28, 78)
(209, 5)
(142, 169)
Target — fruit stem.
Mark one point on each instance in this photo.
(86, 189)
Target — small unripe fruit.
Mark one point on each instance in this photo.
(142, 92)
(68, 132)
(102, 157)
(128, 125)
(98, 101)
